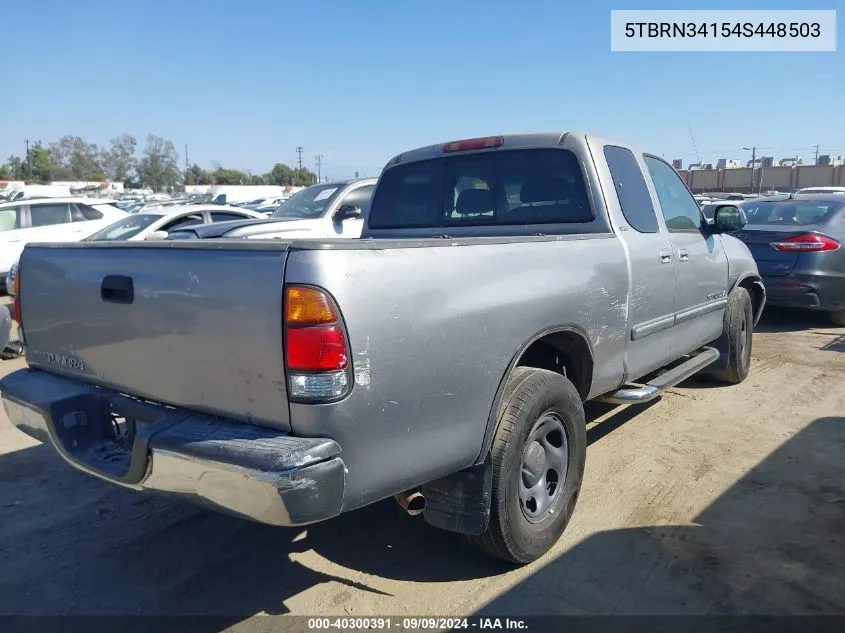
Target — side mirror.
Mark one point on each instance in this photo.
(347, 212)
(157, 235)
(728, 218)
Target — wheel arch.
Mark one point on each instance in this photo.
(753, 283)
(572, 352)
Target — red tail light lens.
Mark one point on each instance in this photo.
(474, 143)
(810, 242)
(316, 353)
(319, 348)
(16, 292)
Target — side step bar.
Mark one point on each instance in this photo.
(655, 388)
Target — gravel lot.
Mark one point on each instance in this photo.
(712, 500)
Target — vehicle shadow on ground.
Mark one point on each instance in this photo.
(87, 547)
(772, 544)
(776, 320)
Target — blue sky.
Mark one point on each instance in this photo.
(243, 83)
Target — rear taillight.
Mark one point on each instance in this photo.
(317, 357)
(812, 242)
(16, 292)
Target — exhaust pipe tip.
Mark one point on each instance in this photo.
(411, 502)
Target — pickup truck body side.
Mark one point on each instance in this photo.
(435, 316)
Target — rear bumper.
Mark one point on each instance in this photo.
(800, 290)
(238, 468)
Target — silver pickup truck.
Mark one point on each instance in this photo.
(443, 359)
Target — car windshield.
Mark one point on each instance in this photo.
(790, 212)
(308, 204)
(125, 228)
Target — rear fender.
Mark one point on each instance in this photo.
(493, 417)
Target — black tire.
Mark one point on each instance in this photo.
(531, 398)
(736, 338)
(837, 318)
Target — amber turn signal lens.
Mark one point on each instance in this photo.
(308, 306)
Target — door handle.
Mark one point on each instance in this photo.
(683, 255)
(665, 256)
(117, 289)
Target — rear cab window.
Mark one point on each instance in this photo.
(497, 188)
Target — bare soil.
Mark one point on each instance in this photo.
(713, 500)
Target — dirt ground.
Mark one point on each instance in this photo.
(713, 500)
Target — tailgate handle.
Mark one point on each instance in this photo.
(117, 289)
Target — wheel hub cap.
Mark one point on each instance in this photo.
(545, 460)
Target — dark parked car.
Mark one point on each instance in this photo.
(797, 244)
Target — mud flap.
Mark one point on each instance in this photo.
(460, 502)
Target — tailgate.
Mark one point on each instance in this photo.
(197, 327)
(770, 261)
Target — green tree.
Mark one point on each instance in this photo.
(16, 168)
(42, 164)
(196, 175)
(76, 160)
(256, 180)
(119, 160)
(281, 174)
(5, 172)
(159, 165)
(303, 177)
(226, 176)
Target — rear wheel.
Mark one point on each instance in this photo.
(838, 317)
(538, 462)
(737, 337)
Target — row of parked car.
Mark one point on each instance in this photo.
(794, 238)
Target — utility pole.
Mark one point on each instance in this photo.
(817, 154)
(753, 163)
(319, 159)
(187, 168)
(299, 153)
(28, 163)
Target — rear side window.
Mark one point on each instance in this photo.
(790, 213)
(359, 197)
(49, 214)
(83, 213)
(10, 218)
(188, 220)
(513, 187)
(227, 217)
(631, 189)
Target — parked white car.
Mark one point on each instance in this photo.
(38, 191)
(155, 223)
(821, 190)
(49, 220)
